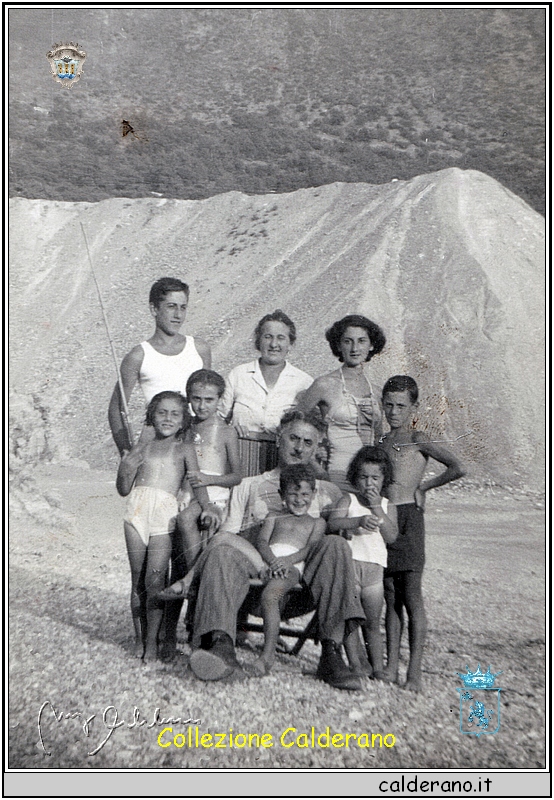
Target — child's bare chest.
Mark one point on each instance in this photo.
(292, 530)
(162, 468)
(408, 466)
(211, 451)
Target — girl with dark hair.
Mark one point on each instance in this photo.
(257, 394)
(345, 397)
(369, 523)
(151, 476)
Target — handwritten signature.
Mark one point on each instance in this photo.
(110, 721)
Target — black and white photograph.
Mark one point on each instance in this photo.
(276, 377)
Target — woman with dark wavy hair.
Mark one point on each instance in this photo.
(346, 398)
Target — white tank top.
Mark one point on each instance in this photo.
(161, 373)
(368, 546)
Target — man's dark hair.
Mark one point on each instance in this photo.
(375, 333)
(168, 395)
(163, 287)
(206, 377)
(275, 316)
(313, 418)
(293, 474)
(370, 455)
(402, 383)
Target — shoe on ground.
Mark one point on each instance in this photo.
(218, 662)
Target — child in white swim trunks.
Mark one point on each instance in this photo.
(284, 542)
(217, 450)
(368, 521)
(151, 474)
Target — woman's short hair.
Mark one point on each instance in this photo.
(370, 455)
(375, 333)
(165, 286)
(275, 316)
(167, 395)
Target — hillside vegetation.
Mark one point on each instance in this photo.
(255, 100)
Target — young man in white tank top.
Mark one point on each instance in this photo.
(162, 363)
(165, 361)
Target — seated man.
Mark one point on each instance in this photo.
(223, 571)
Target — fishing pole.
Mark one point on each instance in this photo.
(123, 408)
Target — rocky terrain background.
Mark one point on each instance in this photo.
(71, 644)
(450, 264)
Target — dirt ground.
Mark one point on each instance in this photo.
(70, 639)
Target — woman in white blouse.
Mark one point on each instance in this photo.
(258, 393)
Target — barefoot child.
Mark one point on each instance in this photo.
(284, 542)
(409, 451)
(217, 450)
(152, 474)
(369, 522)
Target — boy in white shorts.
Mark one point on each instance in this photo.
(151, 475)
(284, 542)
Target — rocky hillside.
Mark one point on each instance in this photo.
(449, 263)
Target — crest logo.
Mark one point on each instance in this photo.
(66, 63)
(479, 702)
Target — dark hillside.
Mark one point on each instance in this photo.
(255, 100)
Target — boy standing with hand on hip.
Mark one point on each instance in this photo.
(409, 451)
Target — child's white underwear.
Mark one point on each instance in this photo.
(151, 512)
(282, 549)
(218, 495)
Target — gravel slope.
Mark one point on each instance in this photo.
(70, 644)
(450, 264)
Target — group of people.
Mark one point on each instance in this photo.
(333, 503)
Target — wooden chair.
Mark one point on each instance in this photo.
(299, 603)
(258, 453)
